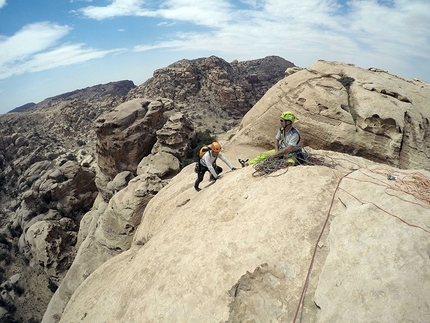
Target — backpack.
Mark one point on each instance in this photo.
(203, 151)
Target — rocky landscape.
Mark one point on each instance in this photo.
(57, 154)
(110, 221)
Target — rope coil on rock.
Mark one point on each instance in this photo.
(415, 184)
(271, 165)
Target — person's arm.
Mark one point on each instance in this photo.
(283, 151)
(276, 145)
(277, 139)
(208, 161)
(225, 160)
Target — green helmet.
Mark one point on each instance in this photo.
(288, 115)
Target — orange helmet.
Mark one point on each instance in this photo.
(215, 146)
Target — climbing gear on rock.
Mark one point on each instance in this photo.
(243, 162)
(270, 165)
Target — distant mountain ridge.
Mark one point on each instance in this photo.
(211, 88)
(91, 93)
(24, 107)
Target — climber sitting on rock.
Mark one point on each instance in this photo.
(207, 162)
(286, 143)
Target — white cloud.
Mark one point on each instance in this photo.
(117, 8)
(203, 12)
(362, 32)
(395, 30)
(393, 35)
(64, 55)
(166, 24)
(211, 13)
(33, 49)
(29, 40)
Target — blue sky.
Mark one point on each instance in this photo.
(51, 47)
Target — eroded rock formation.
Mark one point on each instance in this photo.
(340, 107)
(59, 130)
(226, 90)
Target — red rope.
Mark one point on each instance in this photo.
(316, 248)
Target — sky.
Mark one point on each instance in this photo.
(52, 47)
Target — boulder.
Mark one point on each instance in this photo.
(341, 107)
(52, 246)
(161, 164)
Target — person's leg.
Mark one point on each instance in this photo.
(261, 157)
(200, 176)
(291, 159)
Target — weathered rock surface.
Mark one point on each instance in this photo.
(209, 89)
(52, 245)
(109, 231)
(137, 131)
(249, 289)
(240, 250)
(340, 107)
(47, 172)
(255, 294)
(61, 129)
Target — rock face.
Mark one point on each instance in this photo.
(235, 251)
(244, 248)
(137, 129)
(241, 250)
(150, 147)
(140, 146)
(226, 90)
(340, 107)
(52, 244)
(47, 183)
